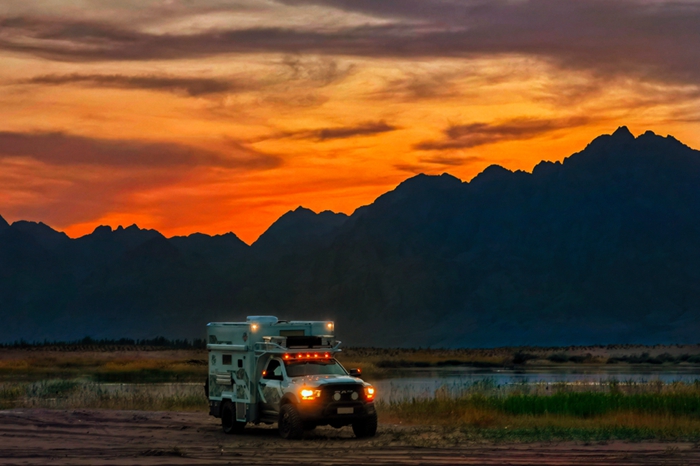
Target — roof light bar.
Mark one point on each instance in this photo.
(303, 356)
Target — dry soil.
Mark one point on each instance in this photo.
(37, 436)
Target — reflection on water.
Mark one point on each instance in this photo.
(426, 383)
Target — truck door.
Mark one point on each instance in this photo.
(270, 384)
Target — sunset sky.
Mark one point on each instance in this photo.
(221, 115)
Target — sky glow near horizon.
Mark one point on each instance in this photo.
(217, 116)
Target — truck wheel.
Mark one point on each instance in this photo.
(290, 425)
(229, 424)
(366, 427)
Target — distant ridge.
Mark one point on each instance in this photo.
(299, 227)
(601, 248)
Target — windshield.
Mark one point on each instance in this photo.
(302, 368)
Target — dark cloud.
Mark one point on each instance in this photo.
(323, 71)
(478, 134)
(429, 164)
(344, 132)
(450, 160)
(410, 167)
(65, 149)
(419, 86)
(365, 129)
(647, 39)
(179, 85)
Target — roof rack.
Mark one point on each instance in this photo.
(272, 345)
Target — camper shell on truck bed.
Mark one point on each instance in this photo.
(269, 370)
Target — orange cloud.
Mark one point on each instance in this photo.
(215, 117)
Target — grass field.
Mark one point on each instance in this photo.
(629, 411)
(617, 411)
(135, 364)
(156, 364)
(73, 394)
(134, 379)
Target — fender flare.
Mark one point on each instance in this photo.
(289, 398)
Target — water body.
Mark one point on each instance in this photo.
(406, 384)
(425, 383)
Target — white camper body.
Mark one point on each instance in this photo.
(306, 377)
(238, 352)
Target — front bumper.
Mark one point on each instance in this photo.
(335, 412)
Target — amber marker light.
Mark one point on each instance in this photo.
(369, 393)
(307, 394)
(330, 326)
(254, 327)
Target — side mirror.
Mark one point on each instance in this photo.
(355, 372)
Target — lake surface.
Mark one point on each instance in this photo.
(424, 383)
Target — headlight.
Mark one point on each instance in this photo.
(307, 394)
(369, 393)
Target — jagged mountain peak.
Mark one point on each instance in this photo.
(102, 230)
(622, 150)
(106, 230)
(201, 239)
(301, 209)
(492, 173)
(42, 234)
(25, 225)
(422, 182)
(302, 212)
(623, 132)
(300, 224)
(417, 187)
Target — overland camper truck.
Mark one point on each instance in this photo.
(269, 370)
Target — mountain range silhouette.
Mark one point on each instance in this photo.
(601, 248)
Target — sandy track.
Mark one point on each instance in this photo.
(37, 436)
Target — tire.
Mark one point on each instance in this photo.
(290, 425)
(229, 424)
(366, 427)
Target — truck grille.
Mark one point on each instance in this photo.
(342, 393)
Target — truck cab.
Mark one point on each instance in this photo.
(267, 370)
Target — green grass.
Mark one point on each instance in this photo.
(575, 405)
(596, 404)
(615, 411)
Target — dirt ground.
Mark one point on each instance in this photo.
(37, 436)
